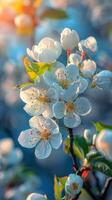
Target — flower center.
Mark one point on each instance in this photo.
(74, 186)
(43, 99)
(69, 106)
(45, 134)
(64, 84)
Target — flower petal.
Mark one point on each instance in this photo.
(82, 85)
(51, 125)
(83, 106)
(75, 59)
(29, 138)
(34, 109)
(48, 113)
(71, 93)
(72, 72)
(43, 149)
(72, 120)
(35, 122)
(52, 94)
(29, 95)
(36, 196)
(58, 110)
(88, 68)
(55, 140)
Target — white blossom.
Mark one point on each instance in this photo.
(48, 50)
(103, 143)
(73, 185)
(69, 39)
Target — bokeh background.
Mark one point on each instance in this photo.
(23, 23)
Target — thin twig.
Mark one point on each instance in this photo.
(71, 148)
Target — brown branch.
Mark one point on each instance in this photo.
(71, 148)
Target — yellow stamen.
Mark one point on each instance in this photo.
(69, 106)
(64, 83)
(45, 134)
(74, 186)
(43, 99)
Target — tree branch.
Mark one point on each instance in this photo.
(71, 148)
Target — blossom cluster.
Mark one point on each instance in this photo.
(58, 93)
(57, 96)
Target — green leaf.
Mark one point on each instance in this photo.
(102, 165)
(32, 74)
(66, 144)
(62, 180)
(101, 126)
(53, 13)
(35, 69)
(23, 85)
(81, 145)
(57, 189)
(93, 155)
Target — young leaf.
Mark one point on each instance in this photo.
(81, 144)
(62, 180)
(23, 85)
(66, 144)
(100, 126)
(54, 14)
(102, 165)
(35, 69)
(57, 189)
(32, 74)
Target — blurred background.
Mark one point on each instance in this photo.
(23, 23)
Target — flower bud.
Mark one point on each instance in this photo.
(73, 185)
(103, 143)
(88, 68)
(69, 39)
(36, 196)
(103, 79)
(74, 58)
(88, 135)
(6, 145)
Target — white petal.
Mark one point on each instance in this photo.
(88, 68)
(69, 39)
(34, 109)
(74, 58)
(36, 196)
(29, 138)
(103, 143)
(35, 122)
(72, 72)
(71, 93)
(51, 125)
(91, 43)
(72, 121)
(29, 95)
(31, 54)
(83, 106)
(52, 94)
(6, 146)
(83, 85)
(43, 149)
(55, 140)
(48, 113)
(58, 110)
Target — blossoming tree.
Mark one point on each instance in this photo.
(54, 97)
